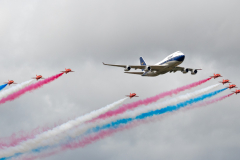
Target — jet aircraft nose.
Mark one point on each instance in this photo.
(180, 57)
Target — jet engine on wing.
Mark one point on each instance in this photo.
(185, 71)
(148, 68)
(194, 71)
(127, 68)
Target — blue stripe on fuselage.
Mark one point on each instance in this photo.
(178, 58)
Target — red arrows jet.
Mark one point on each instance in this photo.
(216, 76)
(132, 95)
(237, 91)
(38, 77)
(225, 81)
(10, 82)
(231, 86)
(67, 71)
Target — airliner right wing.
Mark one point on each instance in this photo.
(153, 67)
(124, 66)
(177, 69)
(182, 69)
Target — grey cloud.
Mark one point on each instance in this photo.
(44, 37)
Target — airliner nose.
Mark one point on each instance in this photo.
(180, 57)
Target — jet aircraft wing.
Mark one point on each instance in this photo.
(124, 66)
(153, 67)
(182, 68)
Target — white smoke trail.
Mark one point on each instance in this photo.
(15, 88)
(129, 114)
(34, 143)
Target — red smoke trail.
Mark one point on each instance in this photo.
(106, 133)
(16, 138)
(149, 100)
(31, 87)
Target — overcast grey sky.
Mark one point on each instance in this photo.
(46, 36)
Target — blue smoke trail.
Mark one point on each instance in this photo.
(157, 112)
(119, 122)
(3, 86)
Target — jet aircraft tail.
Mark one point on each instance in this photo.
(142, 62)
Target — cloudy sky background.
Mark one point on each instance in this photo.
(44, 37)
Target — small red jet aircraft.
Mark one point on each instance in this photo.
(225, 81)
(237, 91)
(231, 86)
(10, 82)
(67, 71)
(38, 77)
(216, 76)
(132, 95)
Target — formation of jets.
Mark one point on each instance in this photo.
(169, 64)
(38, 77)
(224, 81)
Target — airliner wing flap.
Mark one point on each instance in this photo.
(178, 69)
(140, 73)
(157, 67)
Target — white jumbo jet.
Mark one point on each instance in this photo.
(169, 64)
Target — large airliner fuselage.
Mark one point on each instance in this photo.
(169, 64)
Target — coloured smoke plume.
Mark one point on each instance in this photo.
(15, 88)
(16, 138)
(29, 88)
(150, 100)
(50, 134)
(205, 103)
(3, 86)
(88, 139)
(60, 133)
(141, 113)
(105, 133)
